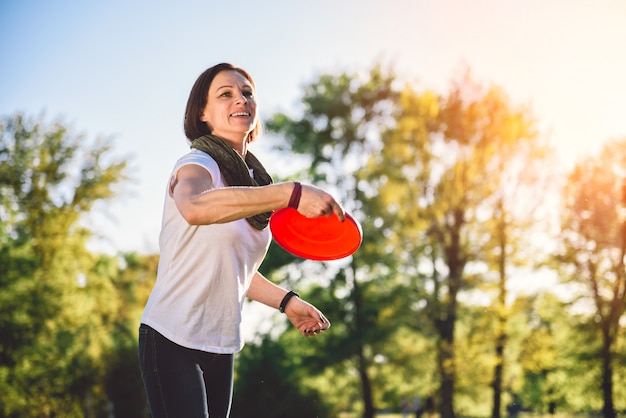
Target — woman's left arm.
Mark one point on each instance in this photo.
(304, 316)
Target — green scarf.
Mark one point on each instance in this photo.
(236, 170)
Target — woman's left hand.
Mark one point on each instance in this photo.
(306, 317)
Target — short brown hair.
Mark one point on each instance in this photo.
(194, 127)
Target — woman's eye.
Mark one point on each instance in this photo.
(246, 94)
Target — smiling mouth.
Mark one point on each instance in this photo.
(239, 114)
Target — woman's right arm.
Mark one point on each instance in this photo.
(202, 204)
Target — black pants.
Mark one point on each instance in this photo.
(182, 382)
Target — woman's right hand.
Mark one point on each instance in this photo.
(315, 202)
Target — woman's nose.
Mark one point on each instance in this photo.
(242, 98)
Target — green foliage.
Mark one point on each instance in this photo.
(446, 187)
(546, 335)
(341, 116)
(132, 276)
(440, 180)
(340, 113)
(593, 252)
(60, 309)
(269, 385)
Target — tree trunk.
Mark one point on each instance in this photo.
(501, 337)
(366, 388)
(608, 411)
(447, 358)
(447, 367)
(498, 375)
(445, 325)
(362, 363)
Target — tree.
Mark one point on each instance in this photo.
(519, 162)
(50, 344)
(592, 248)
(267, 369)
(338, 131)
(555, 358)
(438, 179)
(132, 276)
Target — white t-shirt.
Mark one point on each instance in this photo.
(204, 274)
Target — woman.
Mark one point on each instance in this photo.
(214, 236)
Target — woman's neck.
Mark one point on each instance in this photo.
(238, 144)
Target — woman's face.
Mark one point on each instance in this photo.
(231, 106)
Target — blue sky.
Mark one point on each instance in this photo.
(123, 69)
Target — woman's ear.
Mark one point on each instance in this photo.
(206, 122)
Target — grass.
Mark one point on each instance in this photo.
(520, 415)
(378, 415)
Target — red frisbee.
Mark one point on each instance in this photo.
(321, 238)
